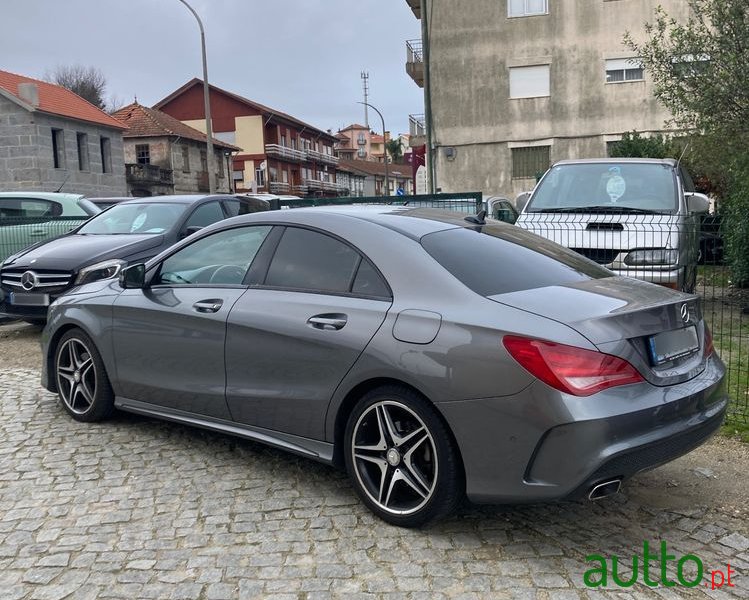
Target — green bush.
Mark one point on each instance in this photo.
(736, 223)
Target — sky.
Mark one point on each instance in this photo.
(302, 57)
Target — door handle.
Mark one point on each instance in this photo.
(328, 322)
(37, 233)
(208, 306)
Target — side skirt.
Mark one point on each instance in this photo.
(314, 449)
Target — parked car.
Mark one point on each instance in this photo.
(711, 240)
(134, 230)
(30, 217)
(373, 338)
(638, 217)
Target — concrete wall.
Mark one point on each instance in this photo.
(26, 160)
(474, 44)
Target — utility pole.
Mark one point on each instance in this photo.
(206, 103)
(365, 85)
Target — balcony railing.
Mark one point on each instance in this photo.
(279, 186)
(300, 190)
(327, 186)
(415, 61)
(417, 125)
(314, 155)
(138, 173)
(284, 152)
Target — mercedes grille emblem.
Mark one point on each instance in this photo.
(685, 313)
(28, 280)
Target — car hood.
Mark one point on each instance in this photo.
(71, 252)
(608, 309)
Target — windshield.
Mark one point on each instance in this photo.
(606, 187)
(151, 218)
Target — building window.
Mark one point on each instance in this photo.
(530, 162)
(105, 146)
(143, 154)
(221, 164)
(204, 161)
(185, 158)
(58, 148)
(260, 177)
(526, 8)
(530, 82)
(82, 143)
(624, 69)
(362, 152)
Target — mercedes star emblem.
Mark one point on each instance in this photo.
(685, 313)
(28, 280)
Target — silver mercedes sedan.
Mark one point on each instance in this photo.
(432, 355)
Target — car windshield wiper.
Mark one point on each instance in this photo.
(566, 209)
(623, 209)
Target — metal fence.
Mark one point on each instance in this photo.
(684, 252)
(18, 233)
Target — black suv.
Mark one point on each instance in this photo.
(130, 231)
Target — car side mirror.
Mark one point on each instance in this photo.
(697, 203)
(522, 201)
(133, 277)
(189, 231)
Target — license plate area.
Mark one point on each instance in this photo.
(29, 299)
(668, 346)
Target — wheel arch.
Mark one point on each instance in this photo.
(356, 393)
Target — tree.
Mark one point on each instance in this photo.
(394, 149)
(698, 68)
(88, 82)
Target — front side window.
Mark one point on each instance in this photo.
(603, 186)
(135, 219)
(308, 260)
(624, 69)
(530, 82)
(206, 214)
(220, 259)
(526, 8)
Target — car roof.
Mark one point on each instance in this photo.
(656, 161)
(410, 221)
(176, 199)
(54, 196)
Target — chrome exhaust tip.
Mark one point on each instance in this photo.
(605, 489)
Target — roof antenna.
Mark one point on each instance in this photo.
(479, 219)
(63, 183)
(683, 152)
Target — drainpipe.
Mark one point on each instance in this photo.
(428, 122)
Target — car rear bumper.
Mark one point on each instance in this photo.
(542, 445)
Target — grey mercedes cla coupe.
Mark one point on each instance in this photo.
(432, 356)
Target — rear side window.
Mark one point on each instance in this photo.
(205, 215)
(26, 208)
(500, 260)
(307, 260)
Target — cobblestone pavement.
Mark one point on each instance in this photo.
(135, 508)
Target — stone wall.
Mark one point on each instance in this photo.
(27, 161)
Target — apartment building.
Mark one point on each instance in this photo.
(359, 142)
(513, 85)
(278, 154)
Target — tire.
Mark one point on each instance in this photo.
(82, 382)
(401, 458)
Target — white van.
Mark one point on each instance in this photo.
(638, 217)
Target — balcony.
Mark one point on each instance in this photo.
(415, 61)
(145, 174)
(415, 7)
(300, 190)
(329, 159)
(324, 186)
(284, 152)
(277, 187)
(418, 130)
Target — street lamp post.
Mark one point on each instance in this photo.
(387, 174)
(206, 102)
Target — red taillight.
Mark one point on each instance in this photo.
(709, 348)
(576, 371)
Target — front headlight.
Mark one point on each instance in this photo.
(103, 270)
(652, 257)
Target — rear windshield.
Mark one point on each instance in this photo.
(502, 259)
(150, 218)
(643, 186)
